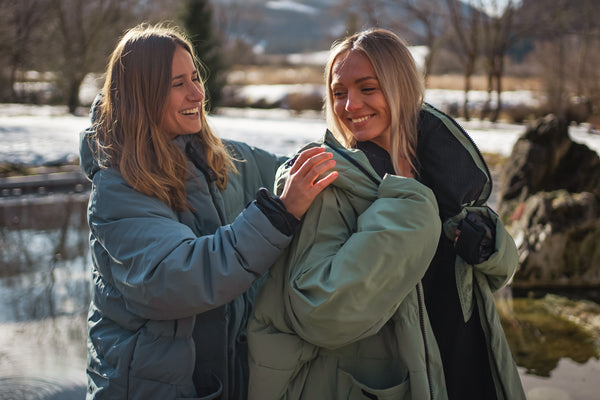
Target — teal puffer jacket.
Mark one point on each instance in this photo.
(169, 289)
(342, 315)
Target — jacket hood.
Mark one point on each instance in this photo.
(87, 160)
(356, 175)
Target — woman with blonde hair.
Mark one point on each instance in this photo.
(181, 228)
(389, 281)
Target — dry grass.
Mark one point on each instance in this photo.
(479, 82)
(272, 75)
(494, 160)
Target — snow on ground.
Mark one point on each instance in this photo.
(38, 135)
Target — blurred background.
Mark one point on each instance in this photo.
(522, 77)
(51, 47)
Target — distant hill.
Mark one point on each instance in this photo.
(285, 26)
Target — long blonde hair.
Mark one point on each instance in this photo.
(129, 135)
(401, 83)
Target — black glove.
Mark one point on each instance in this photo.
(477, 238)
(274, 209)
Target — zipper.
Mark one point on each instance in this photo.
(426, 347)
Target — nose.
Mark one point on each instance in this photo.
(353, 102)
(196, 93)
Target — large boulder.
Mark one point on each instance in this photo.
(558, 237)
(550, 199)
(545, 158)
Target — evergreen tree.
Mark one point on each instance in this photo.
(197, 21)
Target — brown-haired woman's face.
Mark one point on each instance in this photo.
(184, 102)
(358, 100)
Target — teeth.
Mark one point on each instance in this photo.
(190, 111)
(361, 119)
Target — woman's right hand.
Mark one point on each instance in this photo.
(303, 184)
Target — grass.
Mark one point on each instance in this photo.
(479, 82)
(273, 75)
(494, 160)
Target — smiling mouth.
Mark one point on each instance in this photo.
(361, 119)
(189, 111)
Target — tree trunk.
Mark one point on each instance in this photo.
(466, 113)
(487, 106)
(74, 85)
(499, 74)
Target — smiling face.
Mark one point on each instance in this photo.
(184, 102)
(358, 101)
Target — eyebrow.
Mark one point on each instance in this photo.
(365, 78)
(359, 80)
(195, 72)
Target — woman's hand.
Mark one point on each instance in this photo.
(303, 184)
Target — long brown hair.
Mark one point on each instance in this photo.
(129, 135)
(401, 83)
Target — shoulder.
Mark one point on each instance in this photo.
(112, 197)
(241, 151)
(236, 149)
(433, 120)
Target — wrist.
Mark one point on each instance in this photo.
(274, 209)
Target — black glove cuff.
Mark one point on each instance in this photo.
(477, 238)
(275, 211)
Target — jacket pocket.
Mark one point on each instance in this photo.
(350, 388)
(209, 387)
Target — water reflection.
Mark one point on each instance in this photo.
(540, 337)
(44, 295)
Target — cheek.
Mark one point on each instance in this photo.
(338, 108)
(383, 104)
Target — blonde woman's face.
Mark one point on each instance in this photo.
(358, 101)
(184, 102)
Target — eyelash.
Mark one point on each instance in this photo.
(366, 90)
(179, 84)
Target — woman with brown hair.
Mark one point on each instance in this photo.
(181, 228)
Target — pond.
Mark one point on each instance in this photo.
(44, 295)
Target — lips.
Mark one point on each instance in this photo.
(359, 120)
(189, 111)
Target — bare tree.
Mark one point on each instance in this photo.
(551, 48)
(81, 24)
(466, 23)
(87, 31)
(568, 54)
(430, 16)
(363, 13)
(20, 20)
(590, 56)
(498, 25)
